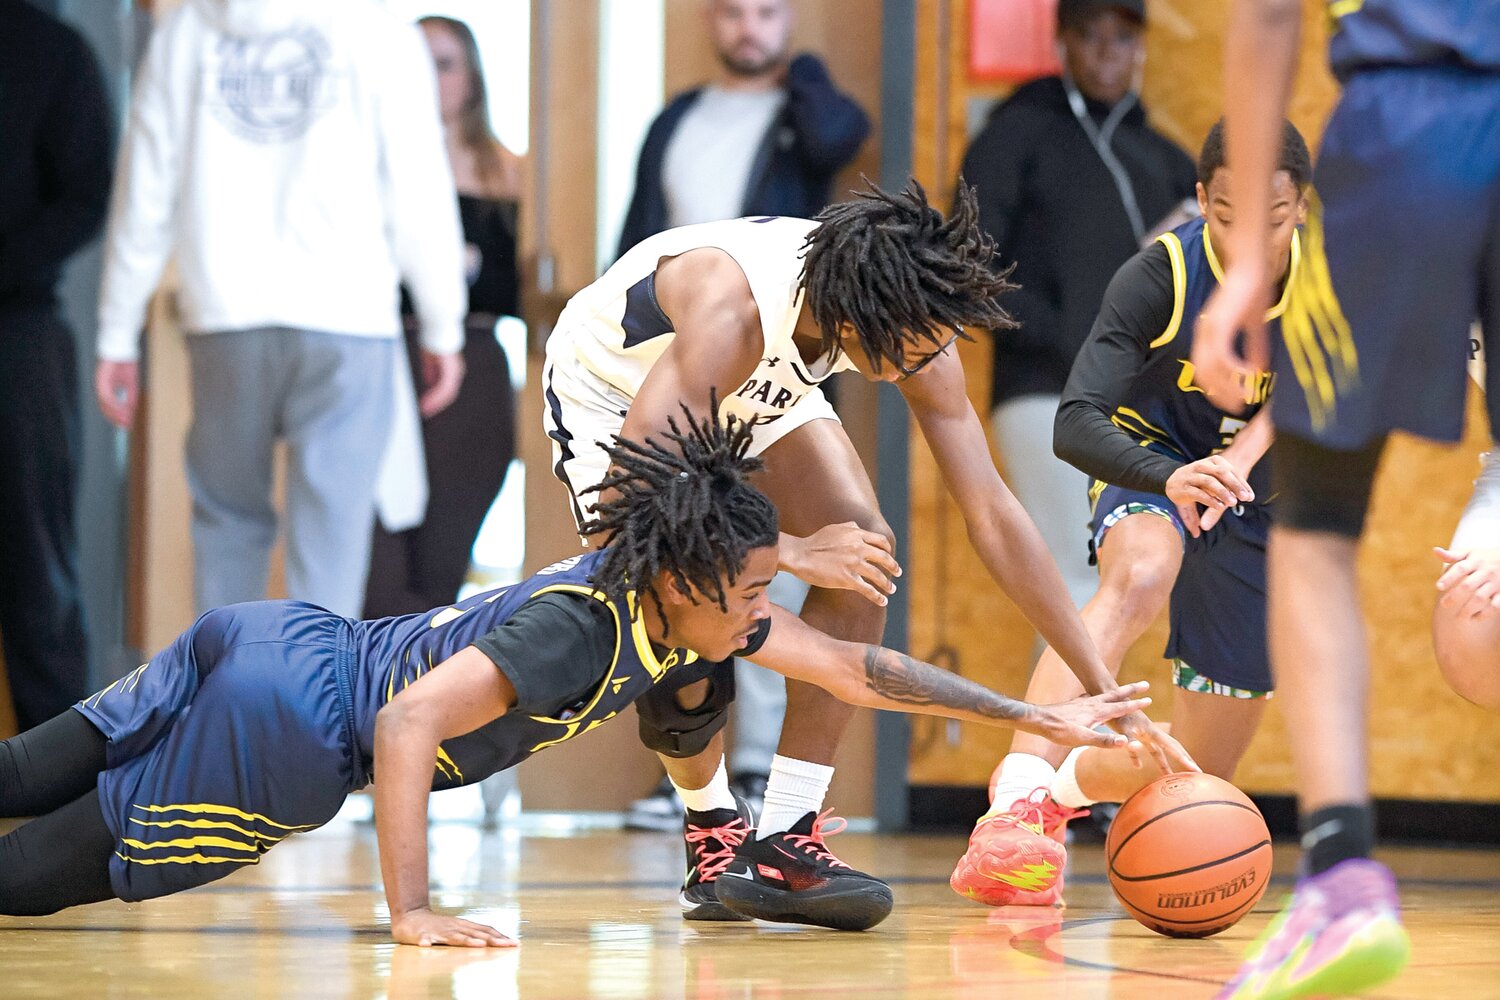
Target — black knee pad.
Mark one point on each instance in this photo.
(674, 731)
(1319, 489)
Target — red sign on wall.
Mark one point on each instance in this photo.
(1012, 40)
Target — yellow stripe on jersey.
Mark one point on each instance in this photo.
(1318, 341)
(445, 764)
(1135, 425)
(211, 824)
(1179, 287)
(212, 809)
(222, 842)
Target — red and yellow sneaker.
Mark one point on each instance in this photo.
(1016, 856)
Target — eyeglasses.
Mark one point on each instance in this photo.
(929, 359)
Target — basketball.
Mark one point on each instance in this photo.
(1188, 855)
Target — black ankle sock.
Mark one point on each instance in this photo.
(1336, 834)
(711, 817)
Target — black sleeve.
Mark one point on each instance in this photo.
(829, 125)
(1136, 310)
(74, 153)
(995, 165)
(554, 650)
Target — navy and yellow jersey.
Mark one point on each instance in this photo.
(608, 660)
(256, 722)
(1369, 34)
(1130, 414)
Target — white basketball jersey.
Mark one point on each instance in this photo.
(614, 331)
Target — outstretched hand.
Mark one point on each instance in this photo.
(1470, 583)
(845, 557)
(425, 928)
(1224, 374)
(1144, 736)
(1071, 723)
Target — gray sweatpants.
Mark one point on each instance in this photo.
(1055, 494)
(327, 395)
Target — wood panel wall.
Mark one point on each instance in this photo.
(1418, 726)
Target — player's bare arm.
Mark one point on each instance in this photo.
(1261, 59)
(717, 346)
(876, 677)
(999, 528)
(464, 693)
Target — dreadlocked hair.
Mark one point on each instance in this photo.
(892, 267)
(684, 509)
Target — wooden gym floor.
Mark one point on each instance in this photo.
(596, 912)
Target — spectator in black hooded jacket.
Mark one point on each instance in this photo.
(1071, 179)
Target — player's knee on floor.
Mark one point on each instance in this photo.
(675, 731)
(1322, 490)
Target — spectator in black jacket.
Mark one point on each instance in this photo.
(765, 138)
(55, 160)
(1071, 180)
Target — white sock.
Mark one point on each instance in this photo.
(1065, 790)
(794, 789)
(1020, 774)
(714, 795)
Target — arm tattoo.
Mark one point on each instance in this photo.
(902, 679)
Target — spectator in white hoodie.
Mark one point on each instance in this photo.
(289, 156)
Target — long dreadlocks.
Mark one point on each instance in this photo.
(684, 509)
(894, 269)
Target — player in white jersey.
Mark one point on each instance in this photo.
(760, 311)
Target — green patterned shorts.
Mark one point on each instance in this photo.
(1188, 679)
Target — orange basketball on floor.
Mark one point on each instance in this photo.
(1189, 855)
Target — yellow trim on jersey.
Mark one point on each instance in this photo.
(1315, 330)
(1179, 286)
(211, 809)
(1137, 426)
(601, 597)
(1291, 272)
(1338, 9)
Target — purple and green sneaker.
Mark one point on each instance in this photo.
(1340, 934)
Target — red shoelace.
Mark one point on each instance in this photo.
(729, 836)
(826, 825)
(1037, 810)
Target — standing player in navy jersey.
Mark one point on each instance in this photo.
(763, 310)
(1159, 452)
(258, 721)
(1403, 254)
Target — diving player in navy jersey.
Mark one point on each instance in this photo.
(1403, 253)
(1158, 451)
(259, 720)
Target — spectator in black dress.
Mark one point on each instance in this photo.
(468, 446)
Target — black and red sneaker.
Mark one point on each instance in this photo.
(711, 839)
(794, 878)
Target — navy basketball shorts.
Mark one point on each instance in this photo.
(1402, 254)
(1218, 605)
(237, 735)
